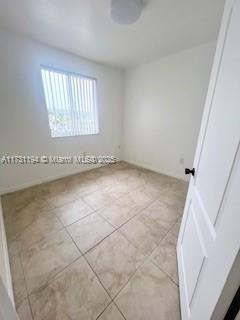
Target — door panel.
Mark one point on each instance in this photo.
(207, 229)
(193, 253)
(218, 151)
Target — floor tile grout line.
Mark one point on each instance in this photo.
(83, 255)
(85, 258)
(110, 202)
(62, 205)
(74, 242)
(94, 210)
(113, 171)
(122, 233)
(151, 253)
(18, 237)
(93, 248)
(138, 213)
(53, 277)
(30, 306)
(25, 284)
(164, 237)
(170, 230)
(39, 185)
(167, 232)
(42, 287)
(47, 214)
(68, 225)
(99, 242)
(140, 265)
(119, 310)
(76, 194)
(131, 218)
(104, 188)
(168, 275)
(147, 257)
(117, 229)
(52, 210)
(73, 200)
(23, 271)
(96, 275)
(112, 302)
(100, 314)
(49, 234)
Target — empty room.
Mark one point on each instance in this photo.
(119, 160)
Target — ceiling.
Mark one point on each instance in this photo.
(84, 27)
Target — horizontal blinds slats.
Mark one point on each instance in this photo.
(71, 102)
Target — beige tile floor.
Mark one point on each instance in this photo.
(96, 245)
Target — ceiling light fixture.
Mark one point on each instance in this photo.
(126, 11)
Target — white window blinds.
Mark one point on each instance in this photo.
(71, 101)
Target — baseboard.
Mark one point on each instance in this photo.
(42, 180)
(158, 170)
(5, 272)
(47, 179)
(52, 178)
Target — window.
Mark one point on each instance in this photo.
(71, 103)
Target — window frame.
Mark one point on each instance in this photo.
(65, 72)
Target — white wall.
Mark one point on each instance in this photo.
(24, 126)
(162, 110)
(163, 106)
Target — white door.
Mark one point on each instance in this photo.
(209, 237)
